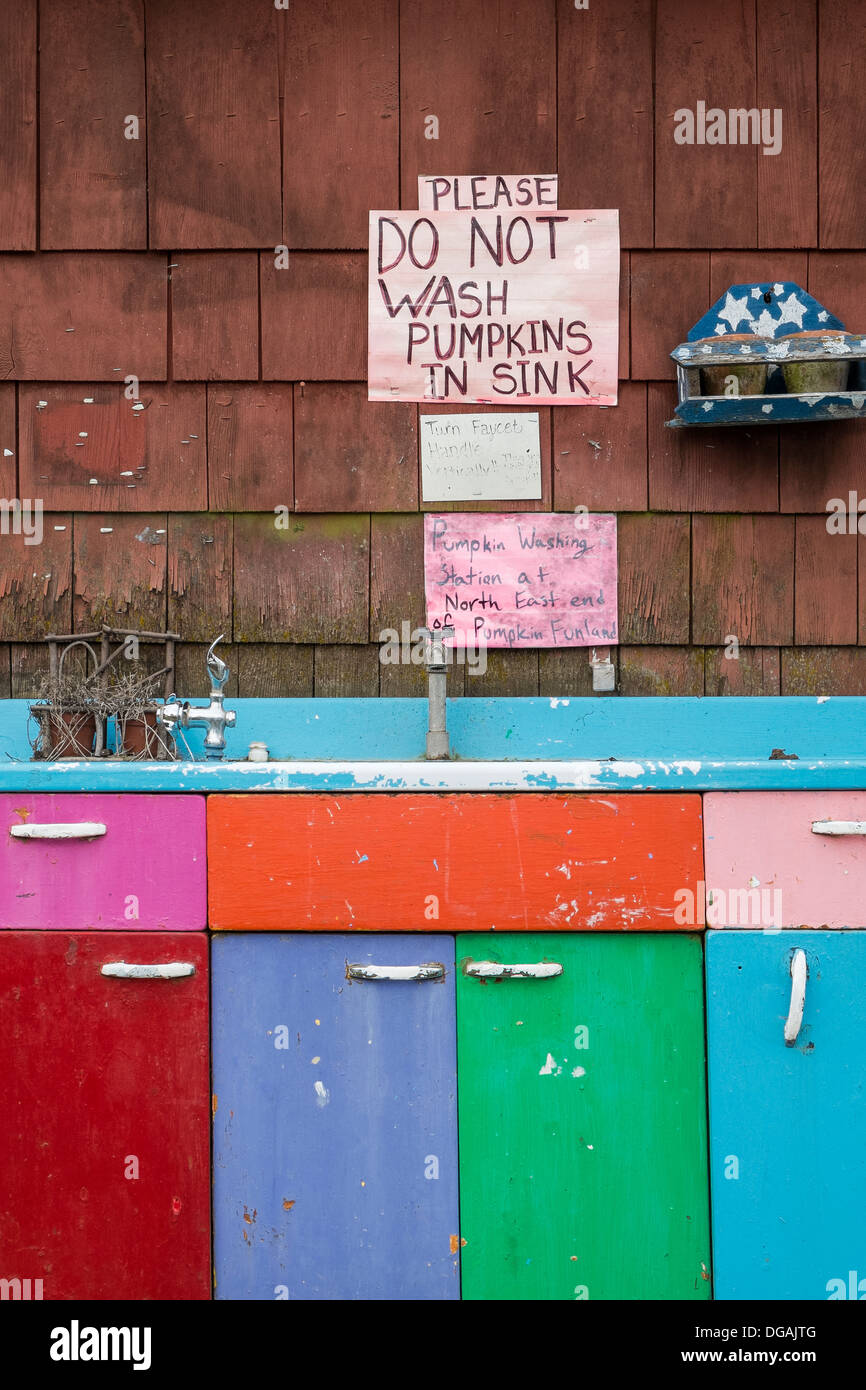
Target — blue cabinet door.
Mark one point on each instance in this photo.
(335, 1129)
(787, 1121)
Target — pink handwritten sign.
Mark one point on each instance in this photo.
(522, 580)
(519, 307)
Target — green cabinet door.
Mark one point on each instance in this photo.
(582, 1118)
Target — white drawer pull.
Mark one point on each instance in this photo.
(121, 970)
(74, 830)
(839, 827)
(798, 997)
(430, 970)
(493, 970)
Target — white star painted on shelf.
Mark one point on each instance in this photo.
(766, 325)
(792, 310)
(733, 311)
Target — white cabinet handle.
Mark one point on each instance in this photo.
(431, 970)
(121, 970)
(839, 827)
(77, 830)
(798, 997)
(493, 970)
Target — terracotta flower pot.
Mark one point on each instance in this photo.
(69, 733)
(140, 738)
(809, 376)
(751, 377)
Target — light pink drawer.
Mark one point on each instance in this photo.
(785, 859)
(120, 861)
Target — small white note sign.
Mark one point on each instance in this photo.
(485, 457)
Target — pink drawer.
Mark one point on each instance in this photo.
(785, 859)
(119, 861)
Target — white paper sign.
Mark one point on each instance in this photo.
(482, 306)
(465, 458)
(475, 192)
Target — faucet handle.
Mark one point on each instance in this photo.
(217, 669)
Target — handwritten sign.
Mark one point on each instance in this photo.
(477, 192)
(490, 307)
(469, 457)
(545, 580)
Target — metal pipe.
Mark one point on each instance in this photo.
(436, 660)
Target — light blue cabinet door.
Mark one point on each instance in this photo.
(787, 1122)
(335, 1128)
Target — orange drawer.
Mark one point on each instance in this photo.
(461, 862)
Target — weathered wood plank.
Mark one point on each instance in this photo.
(624, 315)
(5, 671)
(525, 505)
(743, 580)
(314, 318)
(566, 672)
(89, 449)
(351, 454)
(215, 317)
(92, 175)
(36, 582)
(404, 682)
(752, 671)
(9, 443)
(76, 317)
(660, 670)
(705, 195)
(249, 447)
(307, 583)
(824, 671)
(670, 290)
(709, 470)
(213, 113)
(654, 573)
(274, 671)
(600, 454)
(29, 667)
(605, 55)
(18, 103)
(490, 84)
(838, 280)
(396, 573)
(199, 575)
(842, 124)
(787, 81)
(346, 672)
(341, 120)
(508, 673)
(820, 463)
(825, 604)
(120, 572)
(755, 267)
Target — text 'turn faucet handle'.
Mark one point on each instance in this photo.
(217, 669)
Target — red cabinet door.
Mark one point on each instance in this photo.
(104, 1093)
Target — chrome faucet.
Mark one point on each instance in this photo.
(213, 717)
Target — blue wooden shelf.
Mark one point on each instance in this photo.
(772, 312)
(770, 410)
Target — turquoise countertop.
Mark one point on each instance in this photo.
(624, 744)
